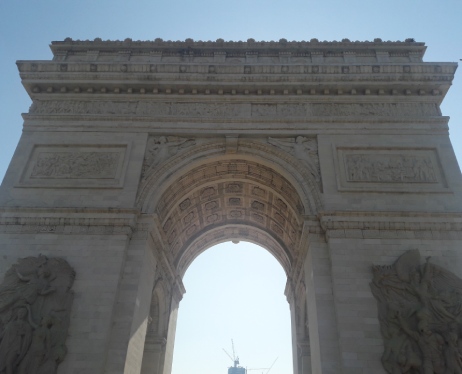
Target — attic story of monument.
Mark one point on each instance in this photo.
(136, 157)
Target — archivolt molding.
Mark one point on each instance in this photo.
(203, 188)
(195, 205)
(158, 179)
(310, 188)
(154, 183)
(234, 232)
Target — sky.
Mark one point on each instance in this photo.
(28, 27)
(228, 297)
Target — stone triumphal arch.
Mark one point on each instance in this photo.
(138, 156)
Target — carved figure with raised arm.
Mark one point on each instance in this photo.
(302, 148)
(160, 149)
(420, 316)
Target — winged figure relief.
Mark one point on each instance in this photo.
(35, 303)
(420, 314)
(302, 148)
(161, 148)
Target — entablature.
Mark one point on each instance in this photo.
(422, 79)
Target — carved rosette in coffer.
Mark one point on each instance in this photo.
(389, 169)
(76, 166)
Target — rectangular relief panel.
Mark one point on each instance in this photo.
(380, 169)
(76, 166)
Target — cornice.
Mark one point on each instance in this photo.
(119, 69)
(68, 221)
(190, 47)
(134, 79)
(393, 222)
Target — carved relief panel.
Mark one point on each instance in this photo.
(160, 149)
(389, 169)
(303, 149)
(420, 316)
(76, 166)
(35, 305)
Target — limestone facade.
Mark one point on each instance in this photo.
(138, 156)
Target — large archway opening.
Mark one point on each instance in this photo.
(228, 197)
(233, 292)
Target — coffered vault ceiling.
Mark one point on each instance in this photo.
(230, 199)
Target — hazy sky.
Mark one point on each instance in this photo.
(224, 285)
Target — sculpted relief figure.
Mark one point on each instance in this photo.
(390, 168)
(420, 314)
(35, 302)
(302, 148)
(160, 149)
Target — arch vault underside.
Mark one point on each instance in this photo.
(138, 156)
(233, 193)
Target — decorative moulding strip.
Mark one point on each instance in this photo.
(319, 125)
(66, 229)
(68, 221)
(305, 89)
(390, 221)
(118, 70)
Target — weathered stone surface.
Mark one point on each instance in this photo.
(35, 307)
(419, 313)
(136, 157)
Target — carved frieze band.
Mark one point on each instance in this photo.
(389, 169)
(76, 166)
(232, 110)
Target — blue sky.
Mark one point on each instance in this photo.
(27, 28)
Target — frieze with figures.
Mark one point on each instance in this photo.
(76, 165)
(143, 108)
(390, 168)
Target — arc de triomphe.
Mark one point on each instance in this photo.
(138, 156)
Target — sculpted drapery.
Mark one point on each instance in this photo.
(35, 303)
